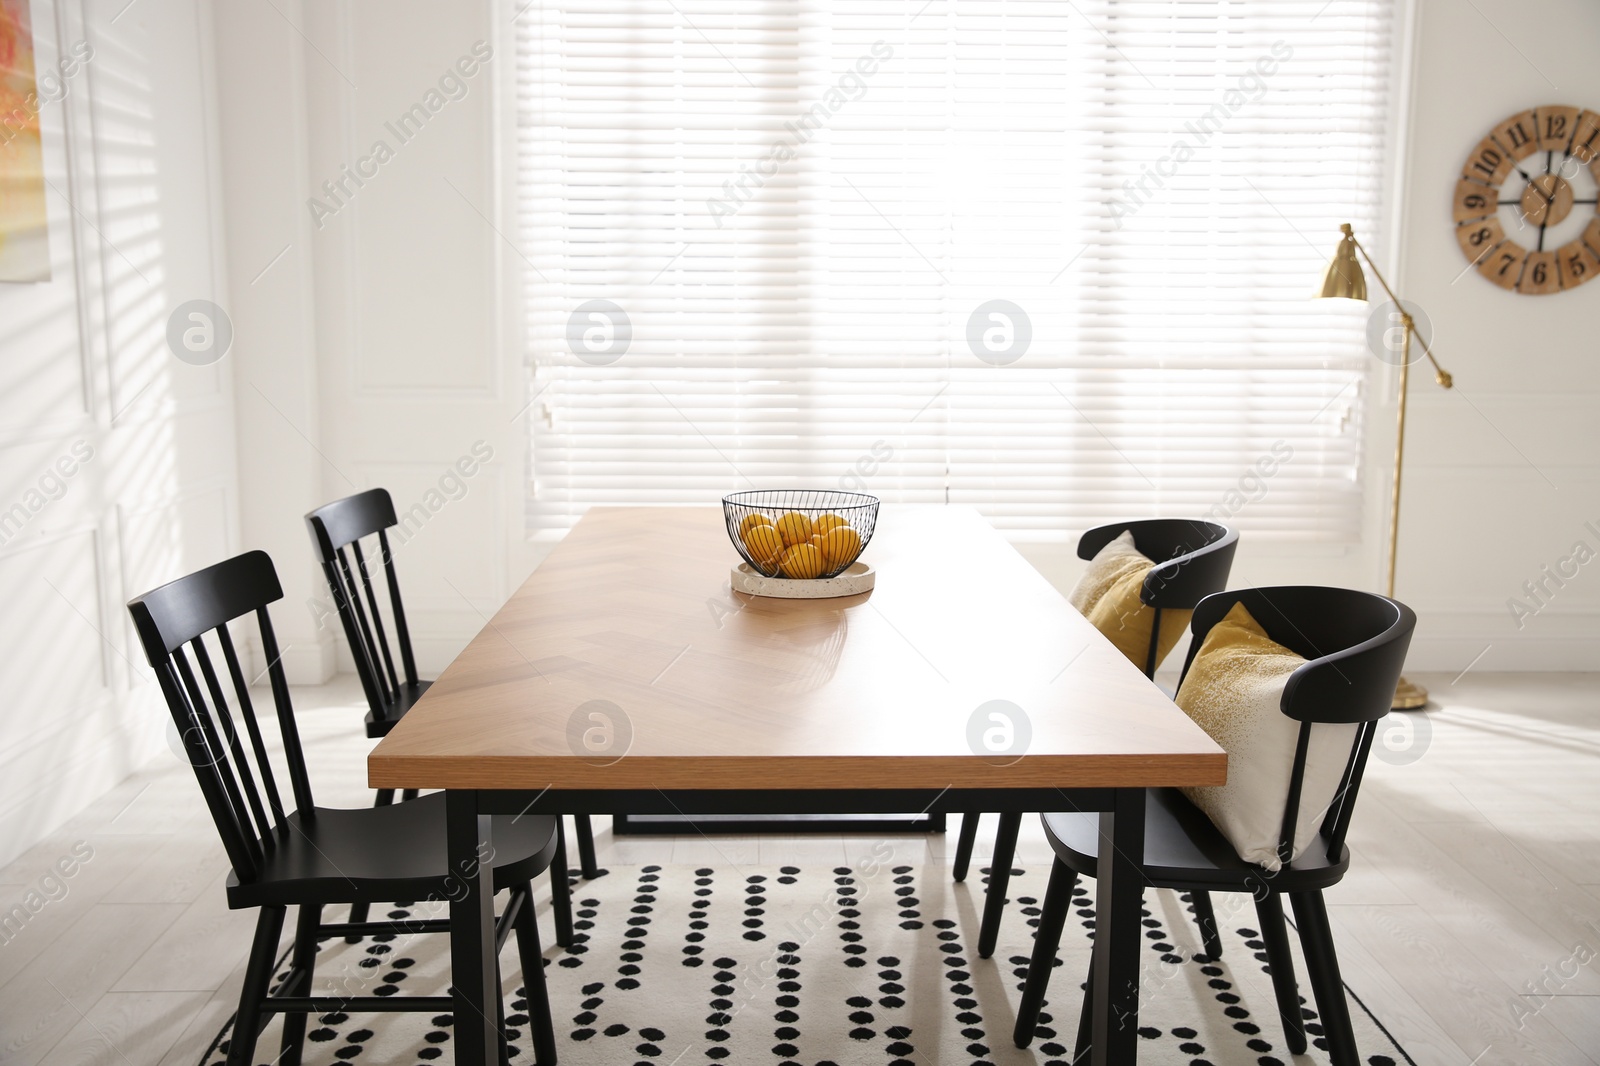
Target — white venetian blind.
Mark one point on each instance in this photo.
(789, 213)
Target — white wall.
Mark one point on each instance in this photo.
(1504, 469)
(417, 350)
(85, 368)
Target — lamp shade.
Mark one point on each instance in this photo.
(1344, 278)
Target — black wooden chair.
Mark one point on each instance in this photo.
(336, 532)
(1198, 556)
(1355, 644)
(307, 856)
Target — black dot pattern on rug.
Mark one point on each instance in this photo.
(786, 1004)
(859, 1019)
(958, 981)
(697, 914)
(899, 1047)
(905, 889)
(790, 999)
(638, 928)
(721, 1016)
(583, 1021)
(754, 907)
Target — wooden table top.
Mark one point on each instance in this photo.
(725, 691)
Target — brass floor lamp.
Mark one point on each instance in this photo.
(1345, 279)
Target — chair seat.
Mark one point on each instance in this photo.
(384, 854)
(1184, 850)
(395, 709)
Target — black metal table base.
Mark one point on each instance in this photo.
(661, 824)
(1119, 885)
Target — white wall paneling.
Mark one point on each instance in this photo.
(116, 459)
(263, 59)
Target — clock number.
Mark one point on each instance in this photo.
(1503, 265)
(1554, 126)
(1514, 134)
(1579, 263)
(1488, 164)
(1473, 201)
(1541, 275)
(1479, 238)
(1586, 137)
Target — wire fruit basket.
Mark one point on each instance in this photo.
(800, 534)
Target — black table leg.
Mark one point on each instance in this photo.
(1118, 901)
(470, 889)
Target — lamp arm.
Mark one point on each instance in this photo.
(1440, 374)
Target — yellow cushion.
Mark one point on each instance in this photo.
(1108, 595)
(1234, 691)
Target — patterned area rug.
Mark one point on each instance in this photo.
(684, 966)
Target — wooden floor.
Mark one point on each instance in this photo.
(1470, 922)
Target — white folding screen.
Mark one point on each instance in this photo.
(1052, 259)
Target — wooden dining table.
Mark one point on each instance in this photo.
(625, 676)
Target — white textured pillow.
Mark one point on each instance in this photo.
(1109, 564)
(1233, 691)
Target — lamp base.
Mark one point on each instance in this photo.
(1409, 696)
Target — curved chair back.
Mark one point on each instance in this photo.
(173, 623)
(1355, 644)
(1198, 556)
(336, 532)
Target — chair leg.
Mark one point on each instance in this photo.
(409, 794)
(302, 963)
(1206, 918)
(560, 889)
(541, 1028)
(1057, 902)
(384, 797)
(968, 837)
(586, 863)
(1085, 1041)
(994, 900)
(1269, 910)
(257, 979)
(1311, 915)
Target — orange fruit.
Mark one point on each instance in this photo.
(764, 545)
(755, 518)
(829, 521)
(794, 528)
(802, 561)
(840, 545)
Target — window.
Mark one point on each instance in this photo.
(1050, 259)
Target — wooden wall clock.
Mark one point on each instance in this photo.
(1525, 205)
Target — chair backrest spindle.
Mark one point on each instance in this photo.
(402, 633)
(173, 623)
(336, 531)
(377, 616)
